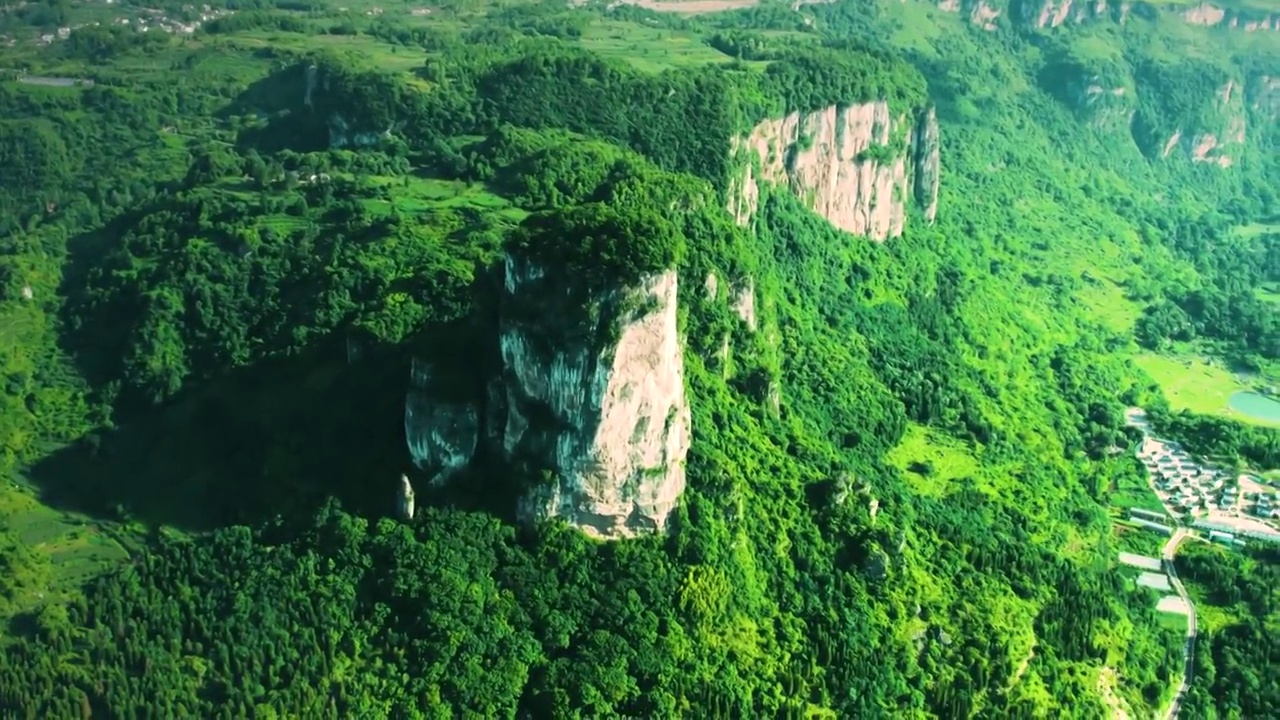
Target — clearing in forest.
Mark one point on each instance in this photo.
(60, 550)
(1192, 383)
(931, 461)
(649, 49)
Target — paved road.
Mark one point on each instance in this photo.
(1189, 649)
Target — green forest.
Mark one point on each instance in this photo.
(225, 241)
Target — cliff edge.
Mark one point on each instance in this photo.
(851, 164)
(596, 399)
(585, 399)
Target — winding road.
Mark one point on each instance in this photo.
(1189, 649)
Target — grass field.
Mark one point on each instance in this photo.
(1105, 302)
(1133, 494)
(361, 50)
(930, 461)
(1191, 383)
(1173, 621)
(1131, 538)
(413, 194)
(918, 26)
(649, 49)
(1257, 229)
(62, 550)
(692, 7)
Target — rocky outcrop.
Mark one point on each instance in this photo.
(1221, 140)
(744, 303)
(927, 151)
(1105, 106)
(442, 434)
(342, 134)
(585, 395)
(1100, 94)
(340, 100)
(850, 164)
(1210, 15)
(1204, 14)
(404, 499)
(984, 15)
(310, 87)
(596, 400)
(1027, 13)
(1050, 14)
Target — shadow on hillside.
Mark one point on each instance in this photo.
(280, 100)
(279, 438)
(282, 90)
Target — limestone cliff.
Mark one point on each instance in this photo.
(1150, 101)
(927, 151)
(596, 399)
(404, 499)
(1210, 15)
(584, 394)
(1220, 138)
(342, 134)
(1050, 14)
(442, 431)
(1101, 93)
(339, 103)
(1102, 104)
(850, 164)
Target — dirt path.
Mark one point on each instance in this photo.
(1022, 666)
(1107, 688)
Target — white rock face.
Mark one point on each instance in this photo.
(310, 84)
(1221, 140)
(823, 157)
(984, 16)
(1053, 13)
(342, 135)
(607, 419)
(404, 499)
(1050, 14)
(1205, 14)
(442, 436)
(744, 303)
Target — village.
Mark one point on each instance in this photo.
(1227, 505)
(143, 20)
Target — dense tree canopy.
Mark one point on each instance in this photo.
(218, 261)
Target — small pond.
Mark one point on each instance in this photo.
(1256, 405)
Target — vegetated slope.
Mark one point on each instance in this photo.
(897, 486)
(1238, 593)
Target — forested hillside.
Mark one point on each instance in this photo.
(1239, 594)
(228, 244)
